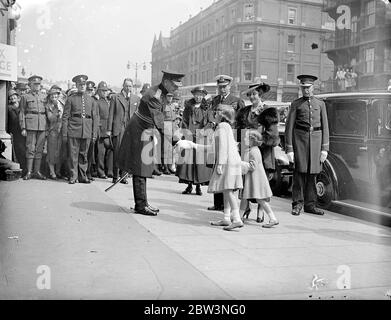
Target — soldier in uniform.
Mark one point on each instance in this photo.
(138, 143)
(224, 97)
(103, 153)
(79, 123)
(122, 107)
(33, 122)
(307, 145)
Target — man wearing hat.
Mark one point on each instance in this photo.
(33, 122)
(21, 88)
(224, 96)
(306, 144)
(136, 153)
(91, 168)
(79, 123)
(103, 153)
(122, 107)
(90, 88)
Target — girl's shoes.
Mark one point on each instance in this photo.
(52, 176)
(246, 213)
(234, 225)
(220, 223)
(271, 224)
(260, 220)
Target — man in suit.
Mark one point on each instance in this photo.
(92, 163)
(137, 150)
(79, 122)
(103, 153)
(33, 123)
(307, 145)
(224, 96)
(122, 107)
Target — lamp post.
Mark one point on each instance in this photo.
(136, 66)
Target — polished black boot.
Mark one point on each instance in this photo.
(198, 190)
(188, 190)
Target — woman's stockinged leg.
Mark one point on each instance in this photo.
(266, 207)
(227, 207)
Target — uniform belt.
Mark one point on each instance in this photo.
(144, 118)
(81, 116)
(310, 129)
(36, 112)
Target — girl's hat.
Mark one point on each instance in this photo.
(199, 89)
(54, 90)
(12, 93)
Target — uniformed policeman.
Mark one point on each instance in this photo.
(79, 123)
(136, 153)
(33, 123)
(307, 145)
(90, 88)
(224, 96)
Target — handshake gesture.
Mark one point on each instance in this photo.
(185, 144)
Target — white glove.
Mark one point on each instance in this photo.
(291, 157)
(323, 156)
(185, 144)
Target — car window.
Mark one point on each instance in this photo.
(347, 117)
(382, 117)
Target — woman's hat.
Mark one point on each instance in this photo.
(12, 93)
(260, 87)
(199, 89)
(54, 90)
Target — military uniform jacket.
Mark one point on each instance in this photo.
(117, 114)
(103, 111)
(307, 133)
(230, 99)
(32, 114)
(80, 118)
(137, 152)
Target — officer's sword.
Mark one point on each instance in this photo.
(118, 181)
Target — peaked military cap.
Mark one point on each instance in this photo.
(223, 80)
(35, 79)
(81, 78)
(306, 80)
(175, 77)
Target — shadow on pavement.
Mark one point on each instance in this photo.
(347, 235)
(97, 207)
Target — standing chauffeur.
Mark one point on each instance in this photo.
(307, 145)
(122, 107)
(78, 128)
(134, 154)
(33, 122)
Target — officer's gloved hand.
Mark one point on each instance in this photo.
(323, 156)
(291, 157)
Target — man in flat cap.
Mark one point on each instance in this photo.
(79, 123)
(33, 123)
(224, 96)
(136, 154)
(122, 107)
(103, 154)
(306, 144)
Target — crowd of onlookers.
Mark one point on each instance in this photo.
(346, 79)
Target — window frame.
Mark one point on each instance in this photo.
(295, 15)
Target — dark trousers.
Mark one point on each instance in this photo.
(140, 192)
(35, 142)
(102, 158)
(218, 200)
(117, 143)
(304, 189)
(91, 167)
(78, 162)
(19, 147)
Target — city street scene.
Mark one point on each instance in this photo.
(213, 150)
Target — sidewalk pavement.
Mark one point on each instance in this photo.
(96, 248)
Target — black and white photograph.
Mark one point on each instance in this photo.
(212, 153)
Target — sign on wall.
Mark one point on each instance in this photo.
(8, 63)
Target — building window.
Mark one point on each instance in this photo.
(290, 73)
(291, 43)
(247, 71)
(248, 41)
(369, 60)
(370, 13)
(196, 57)
(231, 69)
(292, 16)
(191, 57)
(233, 15)
(217, 25)
(248, 11)
(222, 21)
(387, 59)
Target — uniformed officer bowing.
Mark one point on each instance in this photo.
(79, 123)
(136, 153)
(307, 145)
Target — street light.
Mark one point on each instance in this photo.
(136, 66)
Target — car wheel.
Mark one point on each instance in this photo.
(325, 189)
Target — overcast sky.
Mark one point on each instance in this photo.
(59, 39)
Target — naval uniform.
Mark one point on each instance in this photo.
(306, 134)
(137, 152)
(79, 123)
